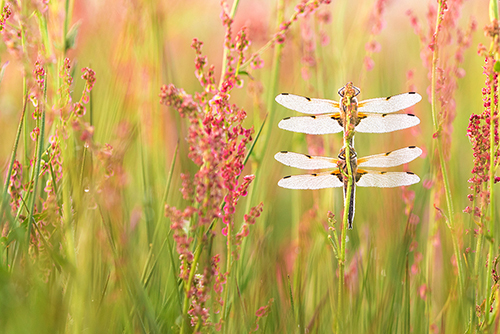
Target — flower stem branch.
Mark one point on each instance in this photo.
(226, 48)
(437, 130)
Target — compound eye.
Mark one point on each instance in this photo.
(341, 91)
(357, 90)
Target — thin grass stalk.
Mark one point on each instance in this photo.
(38, 160)
(430, 257)
(490, 229)
(226, 49)
(347, 202)
(444, 172)
(145, 279)
(66, 26)
(478, 259)
(185, 308)
(270, 105)
(4, 212)
(493, 109)
(225, 312)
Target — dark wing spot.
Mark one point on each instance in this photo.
(313, 117)
(360, 117)
(411, 173)
(383, 115)
(283, 151)
(314, 174)
(286, 118)
(411, 115)
(288, 176)
(359, 175)
(383, 172)
(388, 153)
(307, 98)
(338, 175)
(411, 146)
(388, 98)
(412, 93)
(284, 93)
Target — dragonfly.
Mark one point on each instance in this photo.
(328, 116)
(338, 177)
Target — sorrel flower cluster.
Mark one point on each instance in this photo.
(483, 131)
(217, 144)
(303, 10)
(448, 66)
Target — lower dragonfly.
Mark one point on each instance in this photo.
(338, 177)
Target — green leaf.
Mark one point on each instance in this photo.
(496, 67)
(71, 36)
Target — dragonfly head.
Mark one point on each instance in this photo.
(349, 90)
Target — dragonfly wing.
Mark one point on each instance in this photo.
(313, 125)
(305, 161)
(391, 159)
(307, 105)
(389, 104)
(386, 179)
(312, 181)
(381, 123)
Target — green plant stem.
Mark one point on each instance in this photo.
(187, 287)
(38, 160)
(4, 212)
(490, 229)
(493, 150)
(345, 220)
(493, 10)
(228, 274)
(65, 27)
(444, 172)
(226, 49)
(271, 91)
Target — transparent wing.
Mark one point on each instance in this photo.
(386, 179)
(305, 161)
(311, 181)
(307, 105)
(391, 159)
(380, 123)
(313, 125)
(389, 104)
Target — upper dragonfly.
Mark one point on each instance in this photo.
(370, 116)
(337, 177)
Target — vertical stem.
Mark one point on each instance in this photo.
(490, 223)
(37, 162)
(444, 172)
(66, 25)
(187, 287)
(271, 91)
(226, 49)
(493, 109)
(12, 159)
(228, 273)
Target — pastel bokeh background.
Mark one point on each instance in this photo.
(103, 256)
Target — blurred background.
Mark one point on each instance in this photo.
(135, 47)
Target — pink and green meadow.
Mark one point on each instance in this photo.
(139, 186)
